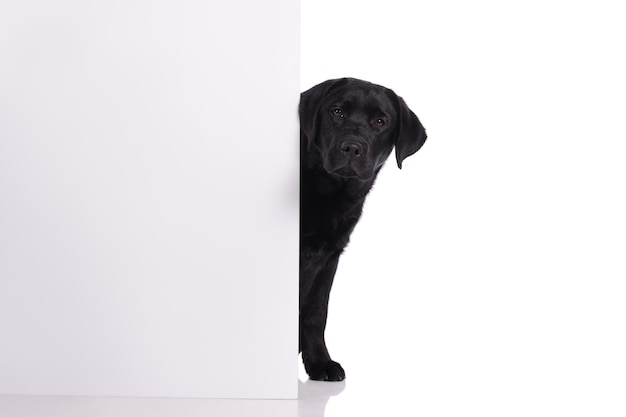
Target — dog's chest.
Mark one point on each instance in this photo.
(329, 211)
(326, 225)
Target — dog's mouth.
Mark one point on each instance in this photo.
(348, 169)
(347, 172)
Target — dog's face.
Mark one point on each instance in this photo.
(353, 125)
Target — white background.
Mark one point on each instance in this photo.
(148, 198)
(488, 276)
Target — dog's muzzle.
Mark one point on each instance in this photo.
(349, 159)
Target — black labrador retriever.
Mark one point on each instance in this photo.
(348, 128)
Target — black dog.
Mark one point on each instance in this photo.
(348, 128)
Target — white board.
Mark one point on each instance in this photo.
(148, 198)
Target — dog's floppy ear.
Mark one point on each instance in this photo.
(310, 104)
(410, 134)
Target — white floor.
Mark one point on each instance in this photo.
(440, 390)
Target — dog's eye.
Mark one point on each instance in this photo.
(379, 122)
(338, 113)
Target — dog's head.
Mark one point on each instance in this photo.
(353, 126)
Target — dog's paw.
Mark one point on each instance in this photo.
(325, 371)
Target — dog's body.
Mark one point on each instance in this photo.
(348, 128)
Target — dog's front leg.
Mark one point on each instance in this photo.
(313, 314)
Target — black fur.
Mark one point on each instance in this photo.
(348, 129)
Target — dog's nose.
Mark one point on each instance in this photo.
(352, 148)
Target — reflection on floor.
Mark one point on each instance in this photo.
(314, 397)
